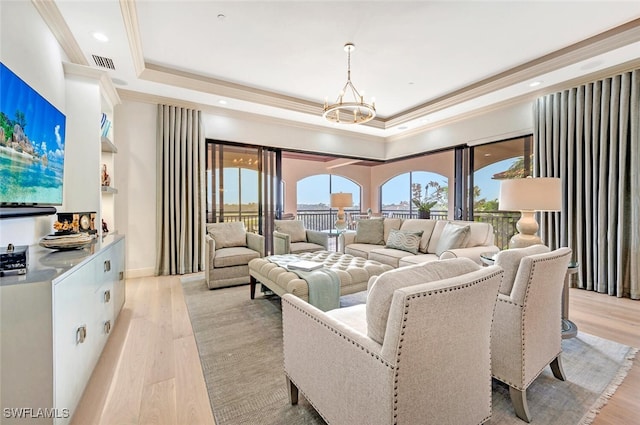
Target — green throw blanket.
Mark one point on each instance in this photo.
(324, 284)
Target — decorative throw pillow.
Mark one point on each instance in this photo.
(370, 231)
(294, 228)
(452, 236)
(404, 240)
(228, 235)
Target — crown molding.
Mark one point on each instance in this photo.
(136, 96)
(130, 18)
(58, 26)
(528, 97)
(104, 80)
(609, 40)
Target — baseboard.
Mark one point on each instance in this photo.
(134, 273)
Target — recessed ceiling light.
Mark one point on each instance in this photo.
(535, 83)
(119, 82)
(222, 102)
(404, 127)
(221, 17)
(100, 37)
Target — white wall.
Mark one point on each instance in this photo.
(28, 48)
(135, 178)
(277, 134)
(500, 124)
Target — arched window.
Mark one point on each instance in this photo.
(314, 199)
(397, 194)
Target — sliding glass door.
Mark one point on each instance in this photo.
(243, 184)
(490, 163)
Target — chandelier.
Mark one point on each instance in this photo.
(350, 107)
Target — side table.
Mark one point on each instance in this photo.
(335, 233)
(569, 329)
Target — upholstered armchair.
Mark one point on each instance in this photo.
(290, 237)
(416, 353)
(527, 332)
(228, 250)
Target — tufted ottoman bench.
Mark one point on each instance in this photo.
(354, 273)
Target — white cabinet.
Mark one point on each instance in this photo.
(55, 324)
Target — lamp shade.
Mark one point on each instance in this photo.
(531, 194)
(341, 200)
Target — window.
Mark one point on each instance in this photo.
(492, 163)
(314, 199)
(397, 194)
(314, 192)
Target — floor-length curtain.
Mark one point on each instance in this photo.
(180, 191)
(589, 137)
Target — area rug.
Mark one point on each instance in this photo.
(240, 346)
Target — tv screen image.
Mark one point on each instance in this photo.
(32, 137)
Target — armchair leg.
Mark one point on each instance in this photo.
(556, 368)
(519, 401)
(252, 283)
(293, 392)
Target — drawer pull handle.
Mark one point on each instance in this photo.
(107, 327)
(81, 334)
(107, 295)
(107, 265)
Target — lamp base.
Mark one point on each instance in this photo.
(341, 223)
(522, 241)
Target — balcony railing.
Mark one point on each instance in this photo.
(504, 223)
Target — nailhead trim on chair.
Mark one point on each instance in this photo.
(345, 337)
(526, 295)
(404, 320)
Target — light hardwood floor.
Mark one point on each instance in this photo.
(150, 373)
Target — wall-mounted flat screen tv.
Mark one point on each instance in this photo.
(32, 137)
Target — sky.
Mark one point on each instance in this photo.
(316, 189)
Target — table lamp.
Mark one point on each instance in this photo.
(529, 195)
(340, 201)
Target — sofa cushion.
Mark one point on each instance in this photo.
(382, 289)
(452, 236)
(294, 228)
(410, 260)
(370, 231)
(480, 234)
(388, 256)
(390, 224)
(509, 260)
(234, 256)
(416, 224)
(405, 240)
(228, 234)
(360, 249)
(299, 247)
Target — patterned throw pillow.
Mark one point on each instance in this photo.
(405, 240)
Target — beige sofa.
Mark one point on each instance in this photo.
(439, 240)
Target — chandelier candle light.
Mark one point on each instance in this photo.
(529, 195)
(340, 201)
(350, 107)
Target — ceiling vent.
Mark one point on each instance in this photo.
(103, 62)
